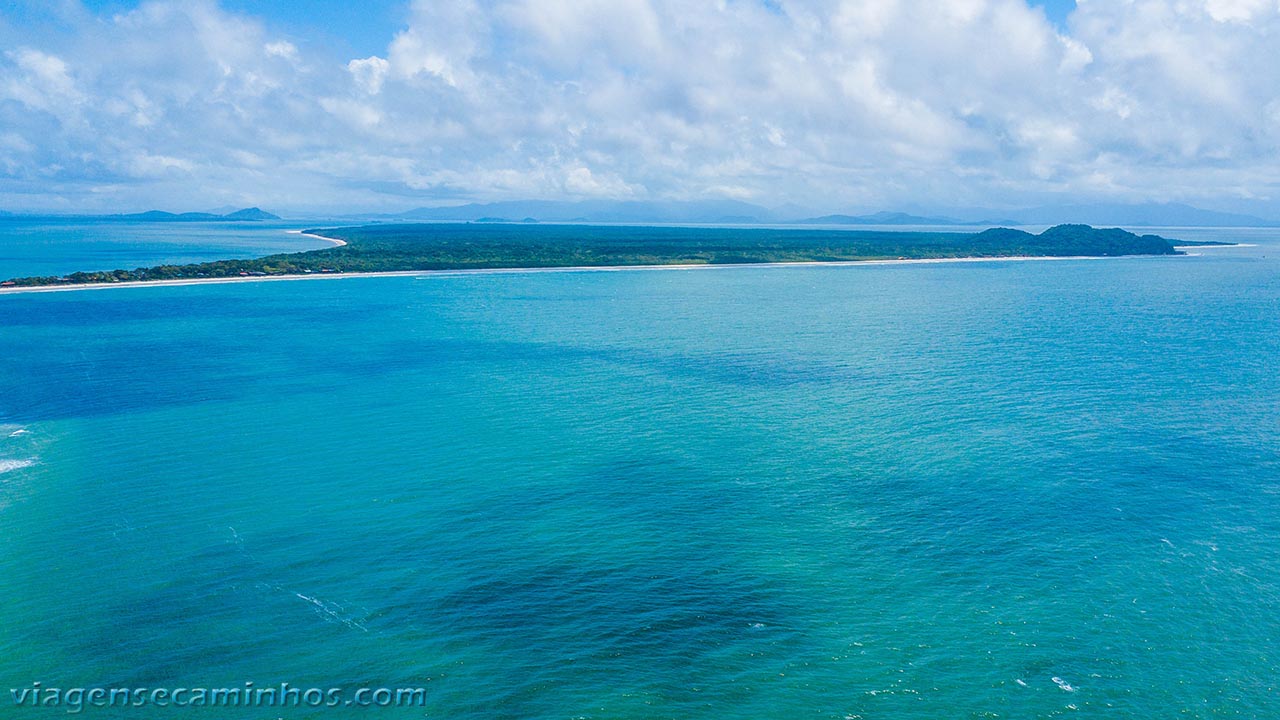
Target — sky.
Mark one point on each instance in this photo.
(835, 106)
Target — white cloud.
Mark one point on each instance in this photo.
(580, 181)
(1237, 10)
(42, 81)
(282, 49)
(841, 104)
(369, 73)
(159, 165)
(353, 112)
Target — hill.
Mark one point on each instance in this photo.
(250, 214)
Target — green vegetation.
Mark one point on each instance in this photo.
(381, 248)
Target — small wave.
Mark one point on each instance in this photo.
(1020, 681)
(1062, 684)
(329, 612)
(10, 465)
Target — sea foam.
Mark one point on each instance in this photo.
(7, 465)
(1063, 684)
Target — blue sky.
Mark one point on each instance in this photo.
(836, 105)
(1056, 10)
(365, 27)
(368, 26)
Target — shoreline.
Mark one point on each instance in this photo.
(567, 268)
(1213, 247)
(336, 242)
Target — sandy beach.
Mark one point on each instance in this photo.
(336, 242)
(505, 271)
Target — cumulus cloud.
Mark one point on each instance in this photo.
(42, 82)
(853, 104)
(369, 73)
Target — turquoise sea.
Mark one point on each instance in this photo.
(986, 490)
(31, 246)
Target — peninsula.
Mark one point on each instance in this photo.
(421, 247)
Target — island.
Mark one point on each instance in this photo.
(252, 214)
(460, 246)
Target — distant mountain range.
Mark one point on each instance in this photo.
(729, 212)
(734, 212)
(1104, 214)
(895, 218)
(1141, 215)
(247, 214)
(720, 212)
(599, 211)
(252, 213)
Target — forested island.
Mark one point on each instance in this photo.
(387, 248)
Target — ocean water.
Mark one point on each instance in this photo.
(57, 246)
(986, 490)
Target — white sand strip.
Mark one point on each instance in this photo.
(336, 242)
(583, 268)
